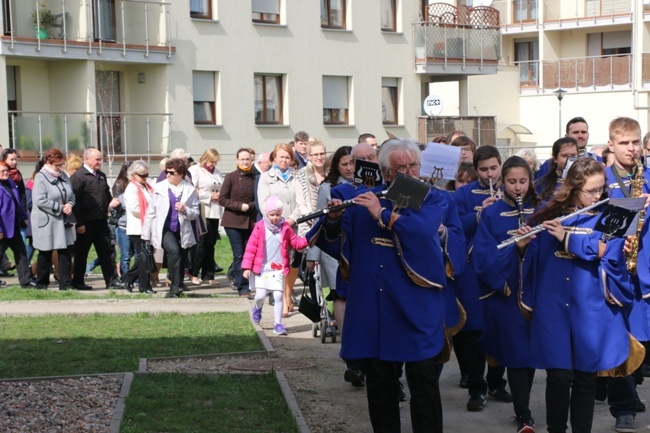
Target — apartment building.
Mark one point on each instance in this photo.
(140, 77)
(595, 51)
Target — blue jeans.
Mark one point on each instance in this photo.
(238, 239)
(124, 244)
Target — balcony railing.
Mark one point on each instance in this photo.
(578, 73)
(133, 25)
(555, 10)
(645, 68)
(123, 134)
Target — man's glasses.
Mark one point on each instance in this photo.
(169, 172)
(413, 167)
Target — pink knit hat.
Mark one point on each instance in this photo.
(273, 202)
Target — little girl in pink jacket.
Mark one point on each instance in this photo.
(267, 259)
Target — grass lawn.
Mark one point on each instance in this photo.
(62, 345)
(175, 403)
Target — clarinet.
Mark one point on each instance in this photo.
(520, 208)
(346, 204)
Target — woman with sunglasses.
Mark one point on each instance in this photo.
(575, 287)
(167, 223)
(137, 197)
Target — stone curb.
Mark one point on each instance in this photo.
(118, 413)
(291, 402)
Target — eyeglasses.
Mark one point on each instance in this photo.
(593, 192)
(4, 171)
(412, 167)
(143, 176)
(170, 172)
(318, 155)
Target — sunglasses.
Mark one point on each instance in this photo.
(170, 172)
(143, 176)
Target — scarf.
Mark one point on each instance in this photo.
(142, 200)
(47, 168)
(283, 174)
(245, 170)
(210, 169)
(273, 228)
(14, 174)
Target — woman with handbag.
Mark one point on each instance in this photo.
(137, 196)
(53, 225)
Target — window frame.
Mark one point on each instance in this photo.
(392, 4)
(266, 18)
(279, 82)
(212, 111)
(200, 15)
(528, 9)
(394, 91)
(335, 113)
(328, 10)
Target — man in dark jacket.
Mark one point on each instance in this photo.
(93, 198)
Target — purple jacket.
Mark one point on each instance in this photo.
(10, 209)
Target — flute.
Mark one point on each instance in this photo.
(346, 204)
(540, 227)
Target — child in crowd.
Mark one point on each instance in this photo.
(266, 259)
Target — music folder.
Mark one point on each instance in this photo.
(620, 217)
(367, 173)
(405, 191)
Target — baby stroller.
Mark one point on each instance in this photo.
(325, 326)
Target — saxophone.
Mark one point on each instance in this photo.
(636, 190)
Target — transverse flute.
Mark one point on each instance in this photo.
(540, 227)
(325, 211)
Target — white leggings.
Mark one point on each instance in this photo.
(260, 296)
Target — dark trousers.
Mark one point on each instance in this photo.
(205, 251)
(137, 272)
(238, 239)
(621, 396)
(471, 361)
(521, 382)
(383, 400)
(98, 234)
(17, 246)
(44, 265)
(176, 260)
(569, 390)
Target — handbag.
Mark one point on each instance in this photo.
(308, 305)
(146, 259)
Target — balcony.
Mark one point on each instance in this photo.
(583, 73)
(461, 40)
(136, 31)
(124, 135)
(586, 13)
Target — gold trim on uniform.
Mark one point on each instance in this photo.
(382, 242)
(608, 295)
(414, 276)
(564, 255)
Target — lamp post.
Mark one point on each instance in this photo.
(559, 93)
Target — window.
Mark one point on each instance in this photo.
(268, 99)
(201, 9)
(389, 101)
(525, 10)
(332, 14)
(335, 100)
(266, 11)
(388, 15)
(527, 54)
(203, 89)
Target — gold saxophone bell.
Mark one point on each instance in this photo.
(636, 190)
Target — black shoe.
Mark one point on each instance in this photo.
(217, 268)
(82, 287)
(34, 285)
(148, 292)
(231, 282)
(640, 407)
(2, 283)
(476, 403)
(174, 294)
(401, 394)
(6, 274)
(500, 395)
(117, 283)
(463, 381)
(127, 286)
(352, 375)
(525, 425)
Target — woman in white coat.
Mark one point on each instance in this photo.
(137, 197)
(51, 218)
(167, 223)
(207, 180)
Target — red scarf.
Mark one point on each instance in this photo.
(142, 200)
(14, 174)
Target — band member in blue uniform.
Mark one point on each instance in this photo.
(471, 200)
(396, 270)
(625, 144)
(563, 149)
(498, 274)
(575, 286)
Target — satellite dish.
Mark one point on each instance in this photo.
(489, 2)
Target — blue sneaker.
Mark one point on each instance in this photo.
(279, 329)
(257, 315)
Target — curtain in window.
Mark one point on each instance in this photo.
(104, 18)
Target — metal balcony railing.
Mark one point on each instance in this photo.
(578, 73)
(459, 43)
(142, 25)
(555, 10)
(123, 135)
